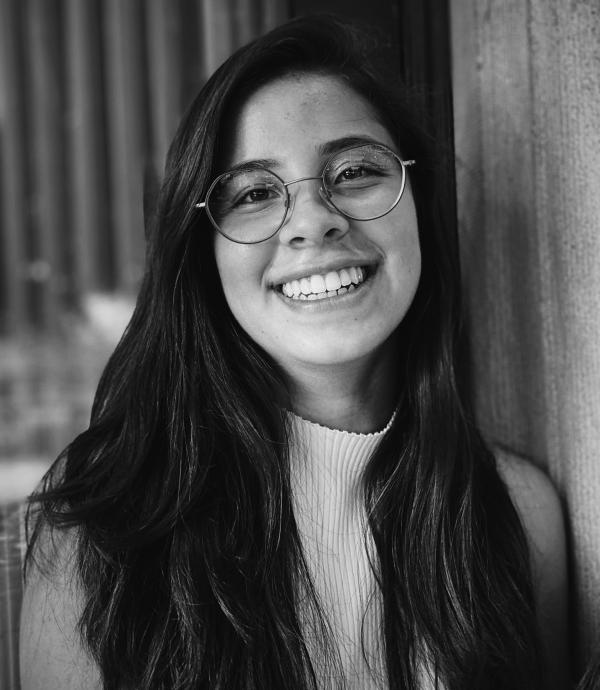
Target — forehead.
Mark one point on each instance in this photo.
(299, 114)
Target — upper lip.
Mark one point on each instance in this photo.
(320, 268)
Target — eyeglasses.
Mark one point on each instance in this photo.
(251, 204)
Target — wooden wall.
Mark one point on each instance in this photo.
(90, 95)
(526, 82)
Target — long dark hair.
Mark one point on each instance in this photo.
(187, 549)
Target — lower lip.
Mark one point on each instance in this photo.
(335, 300)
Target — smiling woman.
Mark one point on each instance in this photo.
(281, 486)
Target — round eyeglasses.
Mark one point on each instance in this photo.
(250, 204)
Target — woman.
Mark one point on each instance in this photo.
(281, 486)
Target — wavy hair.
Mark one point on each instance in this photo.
(187, 549)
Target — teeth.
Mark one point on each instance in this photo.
(328, 285)
(317, 284)
(333, 281)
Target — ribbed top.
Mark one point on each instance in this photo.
(327, 467)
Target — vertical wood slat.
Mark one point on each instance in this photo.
(127, 124)
(165, 76)
(88, 198)
(273, 12)
(12, 171)
(216, 32)
(47, 199)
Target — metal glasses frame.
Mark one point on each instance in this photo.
(323, 193)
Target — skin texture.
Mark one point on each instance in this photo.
(339, 359)
(52, 656)
(337, 352)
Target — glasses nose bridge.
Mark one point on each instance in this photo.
(303, 179)
(292, 197)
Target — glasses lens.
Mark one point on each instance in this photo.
(364, 182)
(247, 205)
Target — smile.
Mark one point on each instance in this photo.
(321, 286)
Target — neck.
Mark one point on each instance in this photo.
(358, 396)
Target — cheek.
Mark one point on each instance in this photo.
(403, 266)
(240, 269)
(411, 258)
(399, 238)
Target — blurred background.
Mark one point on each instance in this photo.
(90, 95)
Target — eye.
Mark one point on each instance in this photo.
(353, 173)
(249, 191)
(256, 195)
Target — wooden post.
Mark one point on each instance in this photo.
(526, 81)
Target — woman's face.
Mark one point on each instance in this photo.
(294, 124)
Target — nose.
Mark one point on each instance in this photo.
(310, 217)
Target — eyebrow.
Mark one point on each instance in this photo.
(345, 143)
(325, 150)
(254, 164)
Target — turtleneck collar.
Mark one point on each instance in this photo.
(326, 468)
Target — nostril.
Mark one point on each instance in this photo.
(296, 241)
(333, 233)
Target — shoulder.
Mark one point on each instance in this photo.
(539, 507)
(52, 655)
(537, 503)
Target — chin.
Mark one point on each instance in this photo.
(337, 353)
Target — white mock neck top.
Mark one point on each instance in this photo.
(326, 473)
(326, 468)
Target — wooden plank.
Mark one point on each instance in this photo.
(127, 126)
(274, 12)
(527, 107)
(217, 33)
(192, 67)
(492, 96)
(12, 173)
(88, 198)
(245, 20)
(164, 35)
(47, 268)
